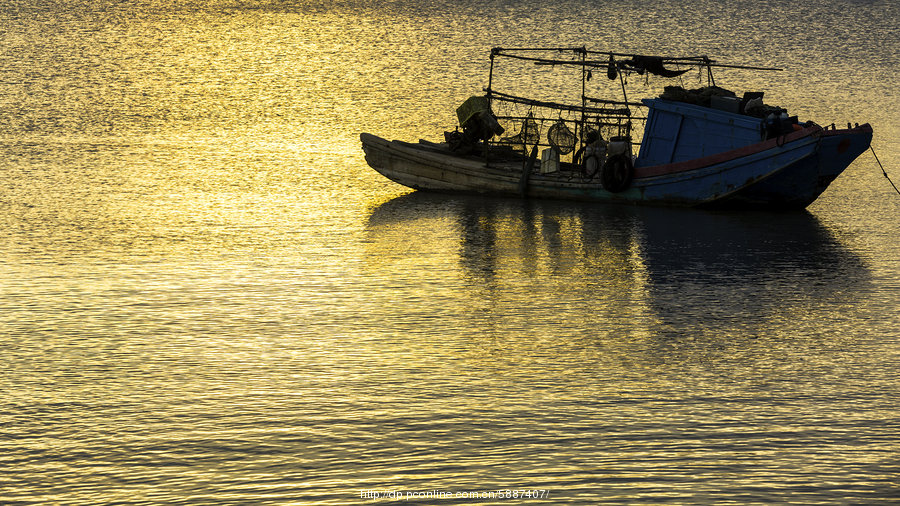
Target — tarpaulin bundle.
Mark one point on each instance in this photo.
(651, 64)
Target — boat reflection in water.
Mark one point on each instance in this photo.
(617, 270)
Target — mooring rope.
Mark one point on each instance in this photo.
(882, 170)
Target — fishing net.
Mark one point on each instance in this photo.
(529, 133)
(561, 138)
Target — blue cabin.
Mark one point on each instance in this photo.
(678, 131)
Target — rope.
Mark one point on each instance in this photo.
(882, 169)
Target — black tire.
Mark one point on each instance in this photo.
(617, 173)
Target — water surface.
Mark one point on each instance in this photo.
(206, 296)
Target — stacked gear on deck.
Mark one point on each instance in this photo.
(478, 124)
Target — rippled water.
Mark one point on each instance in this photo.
(206, 296)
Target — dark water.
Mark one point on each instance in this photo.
(206, 296)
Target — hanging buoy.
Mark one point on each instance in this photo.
(611, 71)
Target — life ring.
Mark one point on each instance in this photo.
(591, 164)
(617, 173)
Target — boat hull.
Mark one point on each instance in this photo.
(787, 172)
(801, 183)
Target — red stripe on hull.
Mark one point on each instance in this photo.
(706, 161)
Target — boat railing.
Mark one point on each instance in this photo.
(564, 127)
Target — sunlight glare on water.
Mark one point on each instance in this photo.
(207, 296)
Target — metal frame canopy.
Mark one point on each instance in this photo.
(592, 112)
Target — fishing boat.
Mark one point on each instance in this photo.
(706, 146)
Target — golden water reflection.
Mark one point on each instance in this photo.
(598, 323)
(648, 272)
